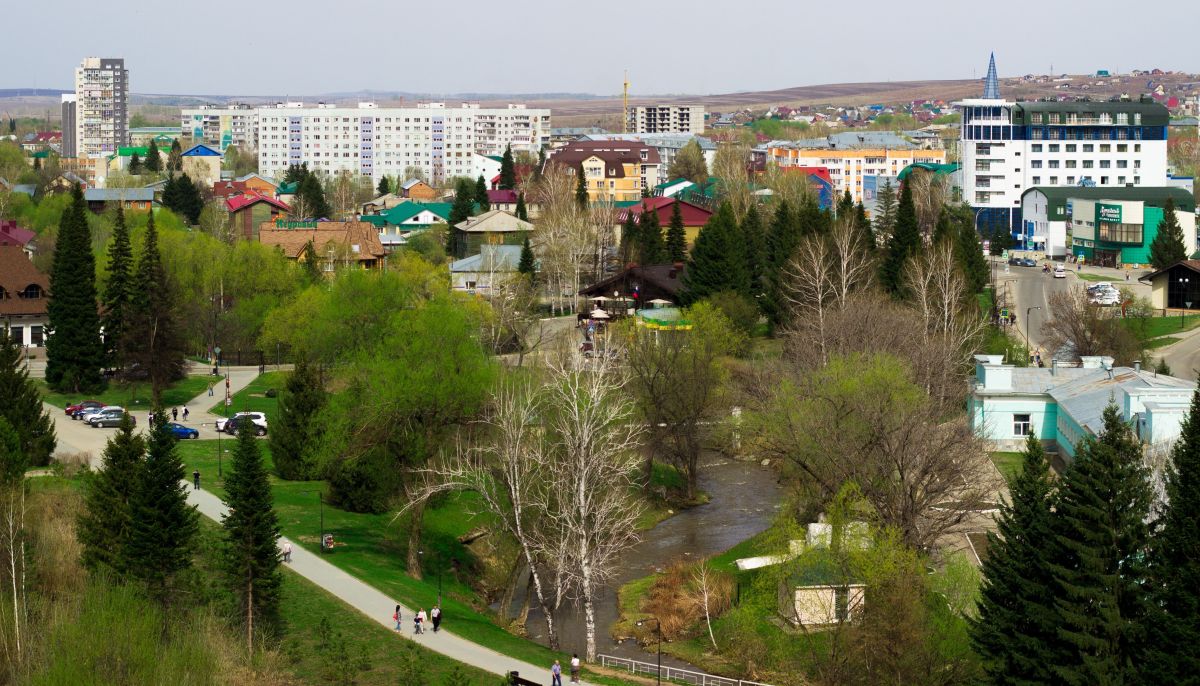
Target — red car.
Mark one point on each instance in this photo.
(73, 411)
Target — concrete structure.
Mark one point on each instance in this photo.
(68, 112)
(485, 272)
(850, 168)
(221, 126)
(202, 164)
(1062, 405)
(614, 171)
(101, 106)
(24, 297)
(665, 118)
(667, 144)
(372, 141)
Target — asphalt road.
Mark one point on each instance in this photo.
(1028, 290)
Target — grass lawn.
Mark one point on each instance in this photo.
(1008, 463)
(1096, 277)
(132, 396)
(1154, 327)
(1156, 343)
(252, 398)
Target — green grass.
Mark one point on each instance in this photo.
(133, 397)
(252, 398)
(1164, 341)
(1149, 328)
(1095, 277)
(1008, 463)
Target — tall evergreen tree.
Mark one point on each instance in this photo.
(312, 263)
(1099, 540)
(312, 197)
(175, 157)
(292, 431)
(508, 170)
(182, 197)
(118, 292)
(152, 338)
(783, 238)
(460, 211)
(521, 211)
(163, 524)
(1167, 248)
(968, 251)
(943, 229)
(581, 190)
(251, 554)
(811, 219)
(135, 164)
(904, 243)
(74, 352)
(650, 238)
(153, 162)
(1173, 626)
(864, 226)
(105, 524)
(481, 196)
(629, 238)
(1017, 618)
(756, 250)
(885, 213)
(676, 234)
(21, 404)
(845, 206)
(384, 186)
(13, 460)
(717, 262)
(527, 266)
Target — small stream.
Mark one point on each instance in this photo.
(743, 499)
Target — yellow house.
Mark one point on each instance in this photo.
(614, 171)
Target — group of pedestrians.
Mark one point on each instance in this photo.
(421, 619)
(556, 671)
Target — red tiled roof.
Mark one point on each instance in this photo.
(16, 274)
(501, 196)
(293, 241)
(241, 202)
(228, 189)
(693, 215)
(11, 234)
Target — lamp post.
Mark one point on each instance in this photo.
(1028, 344)
(220, 476)
(658, 635)
(1187, 303)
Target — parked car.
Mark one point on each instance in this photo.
(87, 415)
(182, 432)
(1028, 262)
(110, 417)
(231, 426)
(74, 410)
(1059, 272)
(1106, 298)
(258, 418)
(1101, 286)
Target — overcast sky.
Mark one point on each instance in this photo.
(309, 47)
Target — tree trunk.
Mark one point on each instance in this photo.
(414, 539)
(250, 617)
(589, 618)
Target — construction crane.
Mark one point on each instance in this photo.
(625, 105)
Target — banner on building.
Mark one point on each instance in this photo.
(1108, 213)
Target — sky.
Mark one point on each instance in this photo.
(312, 47)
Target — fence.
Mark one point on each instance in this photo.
(675, 674)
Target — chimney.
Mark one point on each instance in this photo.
(1053, 367)
(1137, 366)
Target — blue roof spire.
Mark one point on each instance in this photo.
(991, 84)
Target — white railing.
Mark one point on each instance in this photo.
(675, 674)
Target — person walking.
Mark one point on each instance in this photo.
(556, 674)
(196, 480)
(287, 551)
(575, 668)
(436, 615)
(174, 414)
(420, 621)
(396, 617)
(185, 413)
(210, 390)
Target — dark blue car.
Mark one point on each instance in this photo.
(181, 431)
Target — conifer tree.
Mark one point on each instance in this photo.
(460, 211)
(162, 524)
(845, 206)
(756, 250)
(152, 338)
(105, 524)
(1017, 612)
(1099, 540)
(311, 262)
(135, 164)
(629, 237)
(13, 461)
(21, 404)
(384, 186)
(521, 211)
(864, 226)
(1173, 627)
(581, 190)
(175, 157)
(508, 170)
(118, 292)
(75, 351)
(811, 219)
(676, 234)
(943, 229)
(251, 554)
(481, 195)
(312, 196)
(904, 243)
(968, 251)
(885, 213)
(650, 239)
(292, 432)
(153, 162)
(783, 238)
(1167, 248)
(527, 266)
(717, 261)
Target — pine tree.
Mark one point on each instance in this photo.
(104, 526)
(845, 206)
(676, 234)
(152, 338)
(74, 352)
(718, 260)
(864, 227)
(384, 187)
(527, 266)
(650, 239)
(783, 238)
(885, 213)
(460, 212)
(811, 219)
(251, 554)
(1017, 612)
(1099, 540)
(968, 251)
(521, 212)
(629, 237)
(508, 171)
(312, 196)
(481, 196)
(118, 292)
(1167, 248)
(756, 250)
(22, 404)
(183, 198)
(292, 430)
(581, 190)
(135, 164)
(1173, 627)
(153, 162)
(904, 243)
(943, 229)
(175, 157)
(1162, 367)
(162, 523)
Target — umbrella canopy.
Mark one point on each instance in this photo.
(659, 301)
(600, 299)
(599, 314)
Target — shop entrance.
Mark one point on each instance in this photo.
(1106, 258)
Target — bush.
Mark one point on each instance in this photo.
(740, 310)
(677, 599)
(271, 393)
(365, 483)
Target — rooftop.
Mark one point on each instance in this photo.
(16, 274)
(1154, 196)
(500, 258)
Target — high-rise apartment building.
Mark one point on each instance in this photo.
(101, 106)
(68, 125)
(665, 118)
(375, 141)
(222, 126)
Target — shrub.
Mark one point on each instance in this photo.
(365, 483)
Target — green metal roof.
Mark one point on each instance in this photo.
(407, 210)
(128, 151)
(287, 188)
(1154, 196)
(941, 169)
(663, 186)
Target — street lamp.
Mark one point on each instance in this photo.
(658, 635)
(1187, 303)
(1027, 325)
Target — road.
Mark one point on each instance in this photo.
(1027, 288)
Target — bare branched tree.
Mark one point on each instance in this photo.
(730, 168)
(930, 192)
(1077, 327)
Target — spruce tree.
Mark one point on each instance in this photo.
(118, 292)
(650, 239)
(312, 196)
(811, 219)
(251, 552)
(21, 404)
(481, 194)
(904, 243)
(152, 339)
(1167, 248)
(756, 249)
(521, 211)
(460, 212)
(943, 229)
(13, 460)
(1173, 627)
(968, 251)
(104, 526)
(153, 161)
(581, 190)
(845, 206)
(527, 267)
(783, 238)
(74, 351)
(383, 188)
(718, 260)
(885, 213)
(630, 239)
(676, 234)
(135, 164)
(508, 170)
(864, 227)
(1099, 540)
(162, 523)
(175, 157)
(1017, 612)
(311, 262)
(292, 432)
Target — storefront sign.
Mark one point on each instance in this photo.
(282, 224)
(1108, 213)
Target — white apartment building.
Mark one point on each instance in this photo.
(101, 107)
(219, 126)
(665, 118)
(373, 141)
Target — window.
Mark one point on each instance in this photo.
(35, 335)
(1035, 164)
(1037, 180)
(1137, 147)
(1053, 180)
(1053, 147)
(1088, 164)
(1070, 147)
(1071, 164)
(17, 333)
(1054, 164)
(1122, 164)
(1122, 147)
(1105, 147)
(31, 292)
(1036, 147)
(1088, 147)
(1121, 180)
(1022, 426)
(1070, 180)
(1105, 164)
(1119, 233)
(1103, 180)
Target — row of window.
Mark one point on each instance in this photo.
(1087, 164)
(1086, 147)
(1104, 180)
(36, 335)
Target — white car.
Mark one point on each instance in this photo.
(1060, 273)
(1106, 298)
(257, 418)
(87, 416)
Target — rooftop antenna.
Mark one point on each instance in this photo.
(625, 104)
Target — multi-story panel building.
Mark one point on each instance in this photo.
(221, 126)
(69, 146)
(101, 106)
(375, 141)
(614, 171)
(665, 118)
(850, 169)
